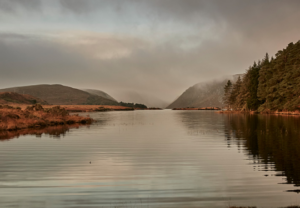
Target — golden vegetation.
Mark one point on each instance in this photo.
(82, 108)
(14, 118)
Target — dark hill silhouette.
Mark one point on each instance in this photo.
(61, 95)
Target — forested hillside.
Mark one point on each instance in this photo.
(270, 84)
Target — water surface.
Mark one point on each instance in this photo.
(155, 159)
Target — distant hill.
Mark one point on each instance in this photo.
(132, 96)
(61, 95)
(100, 93)
(13, 97)
(206, 94)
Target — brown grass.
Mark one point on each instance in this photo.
(36, 116)
(87, 108)
(82, 108)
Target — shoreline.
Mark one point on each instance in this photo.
(87, 108)
(80, 108)
(204, 108)
(18, 117)
(282, 113)
(35, 116)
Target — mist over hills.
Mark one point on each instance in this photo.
(61, 95)
(133, 96)
(203, 94)
(100, 93)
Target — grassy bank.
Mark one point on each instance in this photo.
(36, 116)
(82, 108)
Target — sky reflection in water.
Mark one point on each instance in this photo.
(155, 159)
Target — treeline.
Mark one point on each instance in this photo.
(133, 105)
(270, 84)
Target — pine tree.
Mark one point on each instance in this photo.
(252, 102)
(244, 92)
(269, 84)
(236, 89)
(227, 93)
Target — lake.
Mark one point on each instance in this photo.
(154, 159)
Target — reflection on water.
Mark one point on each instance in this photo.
(154, 159)
(270, 140)
(53, 131)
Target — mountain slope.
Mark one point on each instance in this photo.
(100, 93)
(12, 97)
(61, 95)
(201, 95)
(206, 94)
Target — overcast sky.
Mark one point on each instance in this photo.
(157, 48)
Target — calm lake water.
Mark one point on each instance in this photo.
(155, 159)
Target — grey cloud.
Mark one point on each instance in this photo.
(248, 17)
(223, 37)
(12, 36)
(33, 60)
(8, 6)
(161, 70)
(76, 6)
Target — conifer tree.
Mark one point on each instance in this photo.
(227, 93)
(252, 102)
(269, 84)
(233, 99)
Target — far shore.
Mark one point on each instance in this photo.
(88, 108)
(80, 108)
(297, 112)
(204, 108)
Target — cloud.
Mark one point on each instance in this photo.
(76, 6)
(111, 63)
(11, 6)
(100, 45)
(155, 47)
